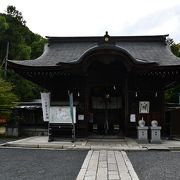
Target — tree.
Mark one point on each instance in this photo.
(7, 98)
(3, 25)
(37, 46)
(175, 48)
(23, 45)
(172, 94)
(24, 89)
(13, 12)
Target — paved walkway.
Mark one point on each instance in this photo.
(93, 144)
(90, 144)
(107, 165)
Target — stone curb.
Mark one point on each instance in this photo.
(126, 145)
(72, 147)
(79, 147)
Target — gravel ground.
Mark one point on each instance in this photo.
(21, 164)
(156, 165)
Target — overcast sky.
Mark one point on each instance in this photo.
(94, 17)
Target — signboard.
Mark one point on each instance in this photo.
(61, 114)
(45, 98)
(144, 107)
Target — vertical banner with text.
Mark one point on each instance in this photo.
(45, 98)
(71, 106)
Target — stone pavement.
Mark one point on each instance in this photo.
(90, 144)
(107, 165)
(93, 144)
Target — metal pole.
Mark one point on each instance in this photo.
(72, 115)
(5, 60)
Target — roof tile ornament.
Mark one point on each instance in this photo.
(106, 37)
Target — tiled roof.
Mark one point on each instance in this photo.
(143, 49)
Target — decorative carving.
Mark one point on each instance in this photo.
(141, 122)
(154, 123)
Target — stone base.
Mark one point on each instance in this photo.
(142, 134)
(155, 142)
(155, 135)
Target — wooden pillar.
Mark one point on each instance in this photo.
(163, 113)
(87, 108)
(126, 106)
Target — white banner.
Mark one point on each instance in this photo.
(45, 98)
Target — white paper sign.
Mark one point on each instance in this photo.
(61, 114)
(45, 98)
(80, 117)
(132, 118)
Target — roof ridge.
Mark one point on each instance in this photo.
(135, 38)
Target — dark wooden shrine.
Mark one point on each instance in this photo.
(109, 77)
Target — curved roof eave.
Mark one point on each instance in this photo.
(114, 48)
(19, 66)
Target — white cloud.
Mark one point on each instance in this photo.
(94, 17)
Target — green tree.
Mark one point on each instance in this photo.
(3, 25)
(23, 52)
(7, 98)
(175, 48)
(24, 89)
(23, 45)
(172, 94)
(13, 12)
(37, 46)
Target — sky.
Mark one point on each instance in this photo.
(94, 17)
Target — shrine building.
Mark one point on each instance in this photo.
(115, 80)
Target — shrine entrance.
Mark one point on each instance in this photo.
(106, 77)
(106, 110)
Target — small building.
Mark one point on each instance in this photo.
(30, 118)
(115, 80)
